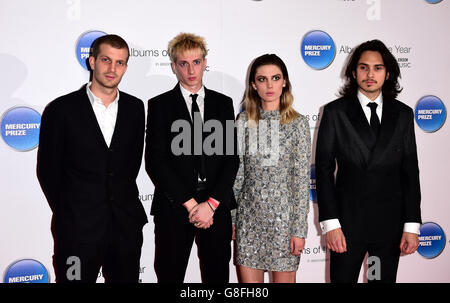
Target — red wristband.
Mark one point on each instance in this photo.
(213, 203)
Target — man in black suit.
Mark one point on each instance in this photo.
(193, 190)
(372, 204)
(90, 151)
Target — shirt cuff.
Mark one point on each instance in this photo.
(412, 227)
(329, 225)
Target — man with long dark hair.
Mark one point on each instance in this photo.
(367, 171)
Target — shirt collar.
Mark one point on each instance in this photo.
(94, 99)
(186, 93)
(364, 100)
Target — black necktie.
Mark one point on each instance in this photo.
(199, 159)
(374, 121)
(195, 108)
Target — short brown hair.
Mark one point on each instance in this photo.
(185, 41)
(112, 40)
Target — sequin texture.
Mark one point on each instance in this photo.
(272, 191)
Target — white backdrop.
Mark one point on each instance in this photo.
(38, 61)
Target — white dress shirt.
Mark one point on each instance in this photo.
(331, 224)
(106, 116)
(200, 102)
(200, 99)
(363, 100)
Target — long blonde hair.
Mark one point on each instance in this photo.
(252, 101)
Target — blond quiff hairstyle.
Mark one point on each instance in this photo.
(185, 42)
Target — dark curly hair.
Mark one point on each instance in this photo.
(391, 88)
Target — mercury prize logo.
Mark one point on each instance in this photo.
(20, 128)
(430, 113)
(318, 49)
(312, 191)
(26, 271)
(431, 240)
(84, 44)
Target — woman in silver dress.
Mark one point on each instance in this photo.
(273, 181)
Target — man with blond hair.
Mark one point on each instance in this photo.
(193, 190)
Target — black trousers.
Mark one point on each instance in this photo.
(175, 235)
(382, 268)
(118, 254)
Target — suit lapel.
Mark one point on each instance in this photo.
(360, 124)
(388, 123)
(121, 113)
(180, 104)
(183, 111)
(91, 119)
(209, 109)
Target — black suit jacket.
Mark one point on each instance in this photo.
(88, 185)
(377, 190)
(174, 176)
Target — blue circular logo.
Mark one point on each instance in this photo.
(318, 49)
(312, 191)
(20, 128)
(430, 113)
(433, 1)
(26, 271)
(432, 240)
(84, 45)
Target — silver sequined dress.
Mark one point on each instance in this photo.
(272, 191)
